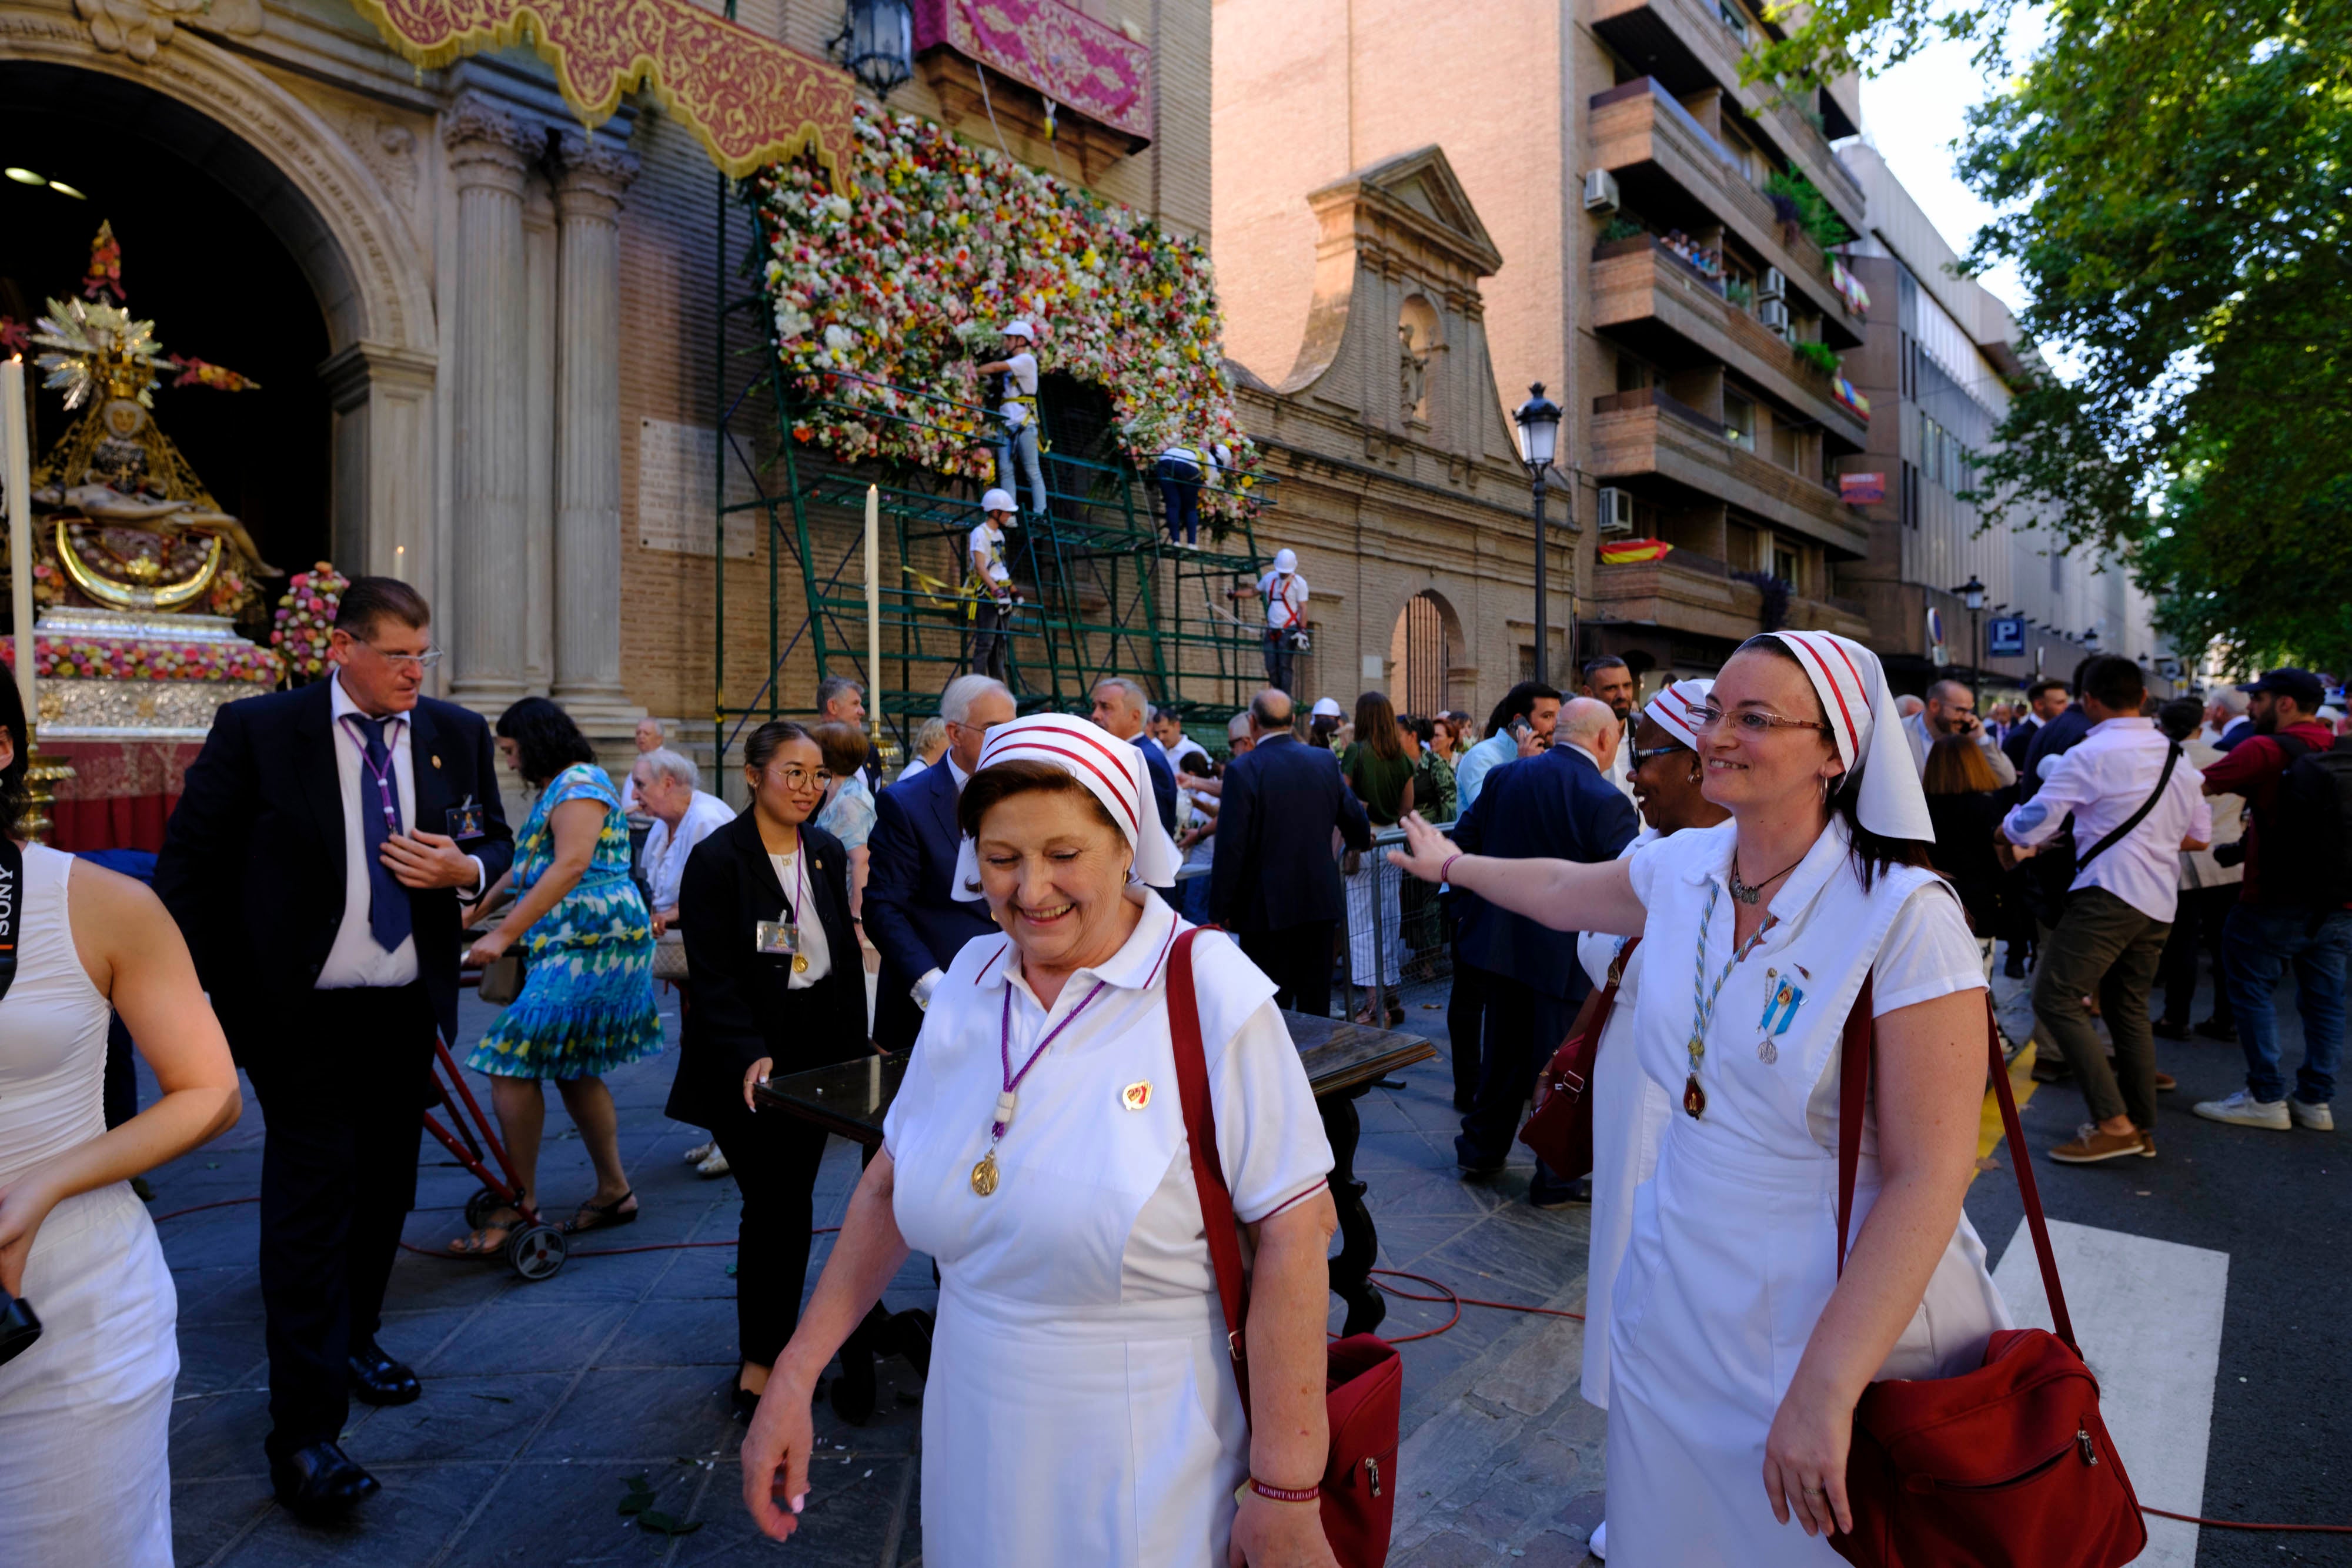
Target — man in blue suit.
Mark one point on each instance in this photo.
(915, 915)
(1274, 882)
(1557, 806)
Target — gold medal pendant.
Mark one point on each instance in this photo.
(800, 962)
(983, 1175)
(1694, 1102)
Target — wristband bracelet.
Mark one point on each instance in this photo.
(1448, 866)
(1285, 1494)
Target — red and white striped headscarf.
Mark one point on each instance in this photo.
(1675, 710)
(1867, 729)
(1113, 771)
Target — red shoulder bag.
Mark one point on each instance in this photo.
(1363, 1388)
(2006, 1465)
(1560, 1129)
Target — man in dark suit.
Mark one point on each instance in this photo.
(315, 863)
(1557, 806)
(915, 915)
(2046, 698)
(1272, 882)
(1123, 707)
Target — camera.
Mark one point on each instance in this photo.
(20, 1327)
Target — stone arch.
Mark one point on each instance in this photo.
(334, 214)
(1424, 650)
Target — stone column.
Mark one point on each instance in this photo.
(590, 180)
(489, 152)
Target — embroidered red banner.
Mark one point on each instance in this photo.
(750, 100)
(1061, 52)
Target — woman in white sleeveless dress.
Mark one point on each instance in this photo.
(1735, 1351)
(85, 1408)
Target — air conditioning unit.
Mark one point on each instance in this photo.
(1600, 192)
(1774, 314)
(1616, 511)
(1773, 287)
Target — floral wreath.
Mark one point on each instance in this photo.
(306, 613)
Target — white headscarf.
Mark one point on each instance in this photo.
(1114, 772)
(1868, 731)
(1675, 710)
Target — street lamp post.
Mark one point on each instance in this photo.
(1539, 420)
(1972, 594)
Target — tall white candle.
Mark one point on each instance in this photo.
(16, 453)
(874, 606)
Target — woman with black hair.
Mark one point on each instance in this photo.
(777, 987)
(587, 1000)
(85, 1407)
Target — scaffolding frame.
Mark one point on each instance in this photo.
(1103, 590)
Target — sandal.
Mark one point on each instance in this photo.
(472, 1244)
(594, 1216)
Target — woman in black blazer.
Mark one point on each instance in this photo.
(776, 984)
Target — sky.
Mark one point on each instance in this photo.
(1915, 114)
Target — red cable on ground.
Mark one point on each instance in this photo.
(1451, 1296)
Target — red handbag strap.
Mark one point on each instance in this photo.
(1201, 1134)
(1853, 1090)
(1588, 1045)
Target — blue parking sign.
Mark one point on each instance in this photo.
(2005, 634)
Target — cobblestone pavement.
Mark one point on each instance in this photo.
(543, 1401)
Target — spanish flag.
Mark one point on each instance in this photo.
(1625, 552)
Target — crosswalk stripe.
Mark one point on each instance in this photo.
(2149, 1314)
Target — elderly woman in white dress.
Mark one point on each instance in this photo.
(1737, 1351)
(86, 1409)
(1082, 1407)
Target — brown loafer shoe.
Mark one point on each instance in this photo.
(2165, 1083)
(2091, 1146)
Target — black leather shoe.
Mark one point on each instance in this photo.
(377, 1379)
(2214, 1028)
(2169, 1028)
(320, 1481)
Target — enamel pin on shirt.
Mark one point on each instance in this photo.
(1136, 1096)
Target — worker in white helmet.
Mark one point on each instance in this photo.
(990, 582)
(1284, 593)
(1016, 402)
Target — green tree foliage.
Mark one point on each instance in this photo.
(2175, 182)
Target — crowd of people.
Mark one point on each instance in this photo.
(1023, 894)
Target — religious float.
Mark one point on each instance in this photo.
(139, 579)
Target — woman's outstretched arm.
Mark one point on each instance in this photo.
(1563, 895)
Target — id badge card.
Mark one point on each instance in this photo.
(776, 937)
(464, 821)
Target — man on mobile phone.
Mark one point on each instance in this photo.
(1952, 710)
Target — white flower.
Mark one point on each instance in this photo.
(839, 338)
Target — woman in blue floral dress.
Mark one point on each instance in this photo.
(587, 1000)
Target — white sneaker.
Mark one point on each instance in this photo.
(701, 1151)
(2318, 1118)
(2244, 1110)
(716, 1166)
(1599, 1544)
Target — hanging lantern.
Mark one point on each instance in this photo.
(877, 44)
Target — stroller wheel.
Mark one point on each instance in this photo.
(479, 1206)
(536, 1251)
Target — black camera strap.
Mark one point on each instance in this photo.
(12, 908)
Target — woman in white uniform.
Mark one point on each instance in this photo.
(1629, 1109)
(85, 1409)
(1737, 1351)
(1082, 1407)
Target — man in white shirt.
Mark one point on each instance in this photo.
(650, 737)
(1016, 402)
(1284, 593)
(1608, 679)
(1183, 753)
(2136, 802)
(670, 786)
(990, 581)
(1951, 709)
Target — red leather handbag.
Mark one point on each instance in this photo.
(1560, 1129)
(2006, 1465)
(1363, 1387)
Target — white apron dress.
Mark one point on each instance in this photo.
(85, 1412)
(1733, 1253)
(1082, 1407)
(1629, 1119)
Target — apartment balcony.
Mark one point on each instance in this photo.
(1673, 173)
(1664, 309)
(1690, 45)
(1697, 594)
(1636, 434)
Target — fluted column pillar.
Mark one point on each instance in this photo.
(589, 181)
(489, 153)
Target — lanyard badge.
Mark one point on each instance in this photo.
(465, 820)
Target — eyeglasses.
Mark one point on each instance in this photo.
(424, 660)
(1643, 755)
(796, 777)
(1755, 723)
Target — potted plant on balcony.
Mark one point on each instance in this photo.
(1820, 356)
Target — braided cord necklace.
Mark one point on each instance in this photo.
(1702, 996)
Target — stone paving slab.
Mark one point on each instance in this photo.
(542, 1401)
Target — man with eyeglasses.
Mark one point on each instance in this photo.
(315, 862)
(1951, 709)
